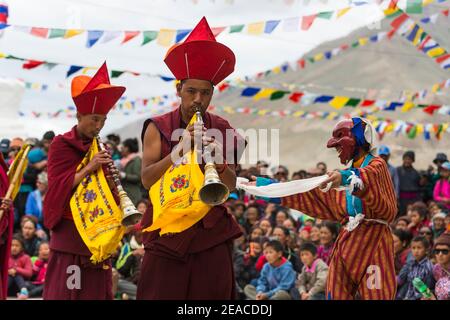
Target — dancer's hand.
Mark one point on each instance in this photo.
(334, 177)
(251, 182)
(305, 296)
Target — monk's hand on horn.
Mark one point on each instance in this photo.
(99, 159)
(6, 204)
(334, 177)
(194, 133)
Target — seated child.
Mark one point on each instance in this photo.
(277, 276)
(19, 268)
(312, 281)
(420, 267)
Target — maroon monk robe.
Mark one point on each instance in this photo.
(196, 263)
(6, 229)
(66, 246)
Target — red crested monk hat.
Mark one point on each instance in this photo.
(95, 95)
(200, 56)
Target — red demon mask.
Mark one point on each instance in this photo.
(343, 140)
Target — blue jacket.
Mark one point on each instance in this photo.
(33, 206)
(273, 279)
(422, 269)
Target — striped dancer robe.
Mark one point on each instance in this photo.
(362, 261)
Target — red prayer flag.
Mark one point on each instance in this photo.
(130, 35)
(307, 21)
(39, 32)
(31, 64)
(443, 58)
(296, 96)
(218, 30)
(301, 63)
(367, 103)
(399, 21)
(391, 33)
(223, 86)
(393, 4)
(431, 109)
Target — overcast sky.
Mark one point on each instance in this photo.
(253, 53)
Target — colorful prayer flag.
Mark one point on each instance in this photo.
(414, 6)
(129, 35)
(149, 36)
(307, 21)
(165, 37)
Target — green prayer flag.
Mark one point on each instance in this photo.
(237, 28)
(56, 33)
(325, 15)
(413, 132)
(278, 95)
(116, 74)
(149, 36)
(352, 102)
(414, 6)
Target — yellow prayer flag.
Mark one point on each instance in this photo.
(86, 69)
(318, 56)
(332, 115)
(256, 28)
(276, 70)
(436, 88)
(363, 41)
(72, 33)
(127, 105)
(427, 2)
(339, 102)
(2, 55)
(390, 11)
(262, 112)
(342, 12)
(165, 37)
(436, 52)
(389, 128)
(417, 37)
(408, 105)
(264, 93)
(228, 110)
(419, 128)
(298, 113)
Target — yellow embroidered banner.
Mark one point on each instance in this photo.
(96, 215)
(175, 197)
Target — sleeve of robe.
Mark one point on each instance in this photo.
(318, 204)
(61, 173)
(377, 195)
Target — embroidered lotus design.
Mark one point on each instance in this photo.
(94, 214)
(178, 183)
(89, 196)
